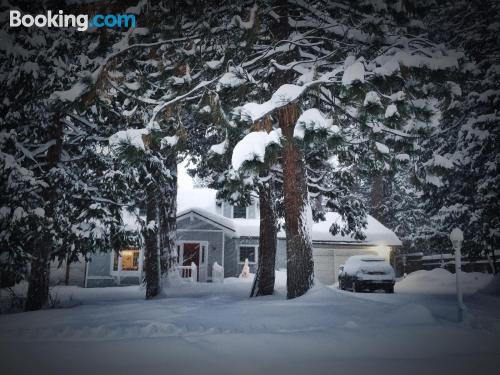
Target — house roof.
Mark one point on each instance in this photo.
(201, 201)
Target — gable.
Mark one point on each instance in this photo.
(195, 221)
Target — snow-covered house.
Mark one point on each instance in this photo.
(209, 232)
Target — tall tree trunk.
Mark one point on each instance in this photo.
(263, 284)
(38, 281)
(300, 266)
(151, 253)
(168, 217)
(67, 271)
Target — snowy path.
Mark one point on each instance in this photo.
(217, 329)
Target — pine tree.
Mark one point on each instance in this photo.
(369, 74)
(63, 213)
(459, 171)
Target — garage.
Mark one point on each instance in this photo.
(328, 259)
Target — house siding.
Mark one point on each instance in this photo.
(230, 254)
(254, 241)
(98, 273)
(99, 265)
(281, 253)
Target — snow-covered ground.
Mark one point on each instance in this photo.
(217, 329)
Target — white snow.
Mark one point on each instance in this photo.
(215, 64)
(389, 62)
(253, 147)
(312, 120)
(376, 233)
(169, 141)
(354, 73)
(214, 328)
(284, 95)
(372, 97)
(398, 96)
(134, 86)
(383, 149)
(433, 180)
(39, 211)
(220, 148)
(217, 273)
(367, 263)
(440, 161)
(402, 157)
(233, 78)
(129, 136)
(246, 25)
(391, 111)
(442, 281)
(18, 214)
(70, 95)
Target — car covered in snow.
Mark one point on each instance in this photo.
(366, 272)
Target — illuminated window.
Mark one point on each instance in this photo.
(129, 260)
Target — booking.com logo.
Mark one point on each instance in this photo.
(80, 21)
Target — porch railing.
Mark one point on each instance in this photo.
(189, 273)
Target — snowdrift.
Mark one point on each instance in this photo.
(493, 288)
(441, 281)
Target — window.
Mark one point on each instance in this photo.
(248, 252)
(239, 212)
(129, 260)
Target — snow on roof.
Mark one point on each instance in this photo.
(202, 202)
(196, 198)
(376, 233)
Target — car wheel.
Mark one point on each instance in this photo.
(390, 289)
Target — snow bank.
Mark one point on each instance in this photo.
(493, 288)
(441, 281)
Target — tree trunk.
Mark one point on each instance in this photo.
(494, 259)
(67, 271)
(300, 266)
(38, 281)
(263, 284)
(168, 217)
(151, 252)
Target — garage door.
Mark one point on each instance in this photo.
(324, 264)
(328, 261)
